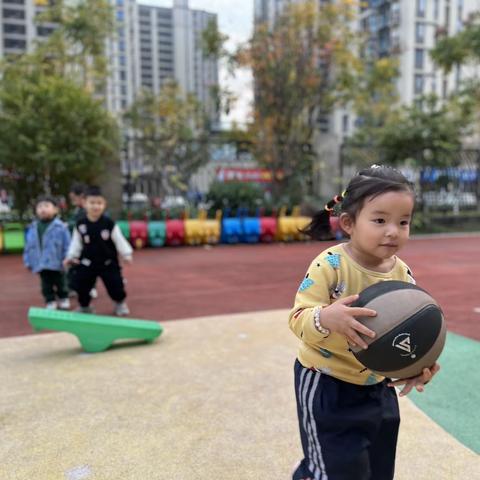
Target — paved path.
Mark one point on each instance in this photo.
(212, 399)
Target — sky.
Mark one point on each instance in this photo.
(235, 19)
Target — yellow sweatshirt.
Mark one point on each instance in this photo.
(333, 275)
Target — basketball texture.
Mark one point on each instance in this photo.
(410, 329)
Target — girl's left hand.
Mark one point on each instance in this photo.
(418, 382)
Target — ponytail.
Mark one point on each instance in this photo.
(319, 227)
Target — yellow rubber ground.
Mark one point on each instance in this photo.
(212, 399)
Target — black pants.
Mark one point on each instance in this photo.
(111, 275)
(71, 274)
(348, 432)
(53, 285)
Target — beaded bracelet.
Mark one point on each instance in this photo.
(316, 321)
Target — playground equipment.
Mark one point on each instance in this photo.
(138, 233)
(198, 231)
(286, 227)
(13, 237)
(175, 232)
(231, 229)
(124, 227)
(95, 332)
(157, 232)
(193, 230)
(335, 227)
(250, 228)
(211, 228)
(300, 223)
(268, 229)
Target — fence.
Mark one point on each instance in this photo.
(455, 187)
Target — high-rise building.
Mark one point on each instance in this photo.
(170, 47)
(405, 29)
(408, 30)
(150, 45)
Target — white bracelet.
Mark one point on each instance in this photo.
(316, 321)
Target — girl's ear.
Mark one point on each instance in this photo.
(346, 223)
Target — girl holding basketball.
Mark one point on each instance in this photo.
(348, 415)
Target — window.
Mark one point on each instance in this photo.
(44, 31)
(7, 13)
(419, 83)
(436, 9)
(120, 15)
(420, 32)
(15, 2)
(14, 43)
(18, 29)
(421, 8)
(345, 121)
(419, 58)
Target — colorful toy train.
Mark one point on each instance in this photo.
(193, 231)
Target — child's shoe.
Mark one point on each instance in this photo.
(64, 304)
(121, 309)
(85, 310)
(51, 306)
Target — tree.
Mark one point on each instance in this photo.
(76, 46)
(424, 134)
(305, 64)
(461, 48)
(172, 135)
(51, 132)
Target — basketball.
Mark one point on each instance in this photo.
(410, 329)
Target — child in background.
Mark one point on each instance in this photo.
(348, 415)
(76, 196)
(46, 246)
(95, 246)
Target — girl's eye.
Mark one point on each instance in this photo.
(405, 222)
(379, 220)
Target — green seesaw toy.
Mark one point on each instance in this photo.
(95, 332)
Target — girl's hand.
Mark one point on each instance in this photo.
(340, 318)
(418, 382)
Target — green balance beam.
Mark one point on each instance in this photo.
(95, 332)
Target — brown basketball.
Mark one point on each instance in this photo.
(410, 329)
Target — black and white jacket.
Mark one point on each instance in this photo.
(98, 243)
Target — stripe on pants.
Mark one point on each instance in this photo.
(306, 394)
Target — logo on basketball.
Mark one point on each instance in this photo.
(403, 342)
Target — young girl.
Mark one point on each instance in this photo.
(348, 415)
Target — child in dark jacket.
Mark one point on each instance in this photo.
(46, 246)
(96, 246)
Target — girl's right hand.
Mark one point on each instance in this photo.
(339, 317)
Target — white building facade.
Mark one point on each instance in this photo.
(150, 45)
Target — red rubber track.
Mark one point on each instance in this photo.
(185, 282)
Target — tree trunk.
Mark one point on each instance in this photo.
(111, 184)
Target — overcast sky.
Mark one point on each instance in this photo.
(235, 18)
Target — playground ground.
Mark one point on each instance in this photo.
(213, 398)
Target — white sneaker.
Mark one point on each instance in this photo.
(121, 309)
(51, 306)
(93, 293)
(64, 304)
